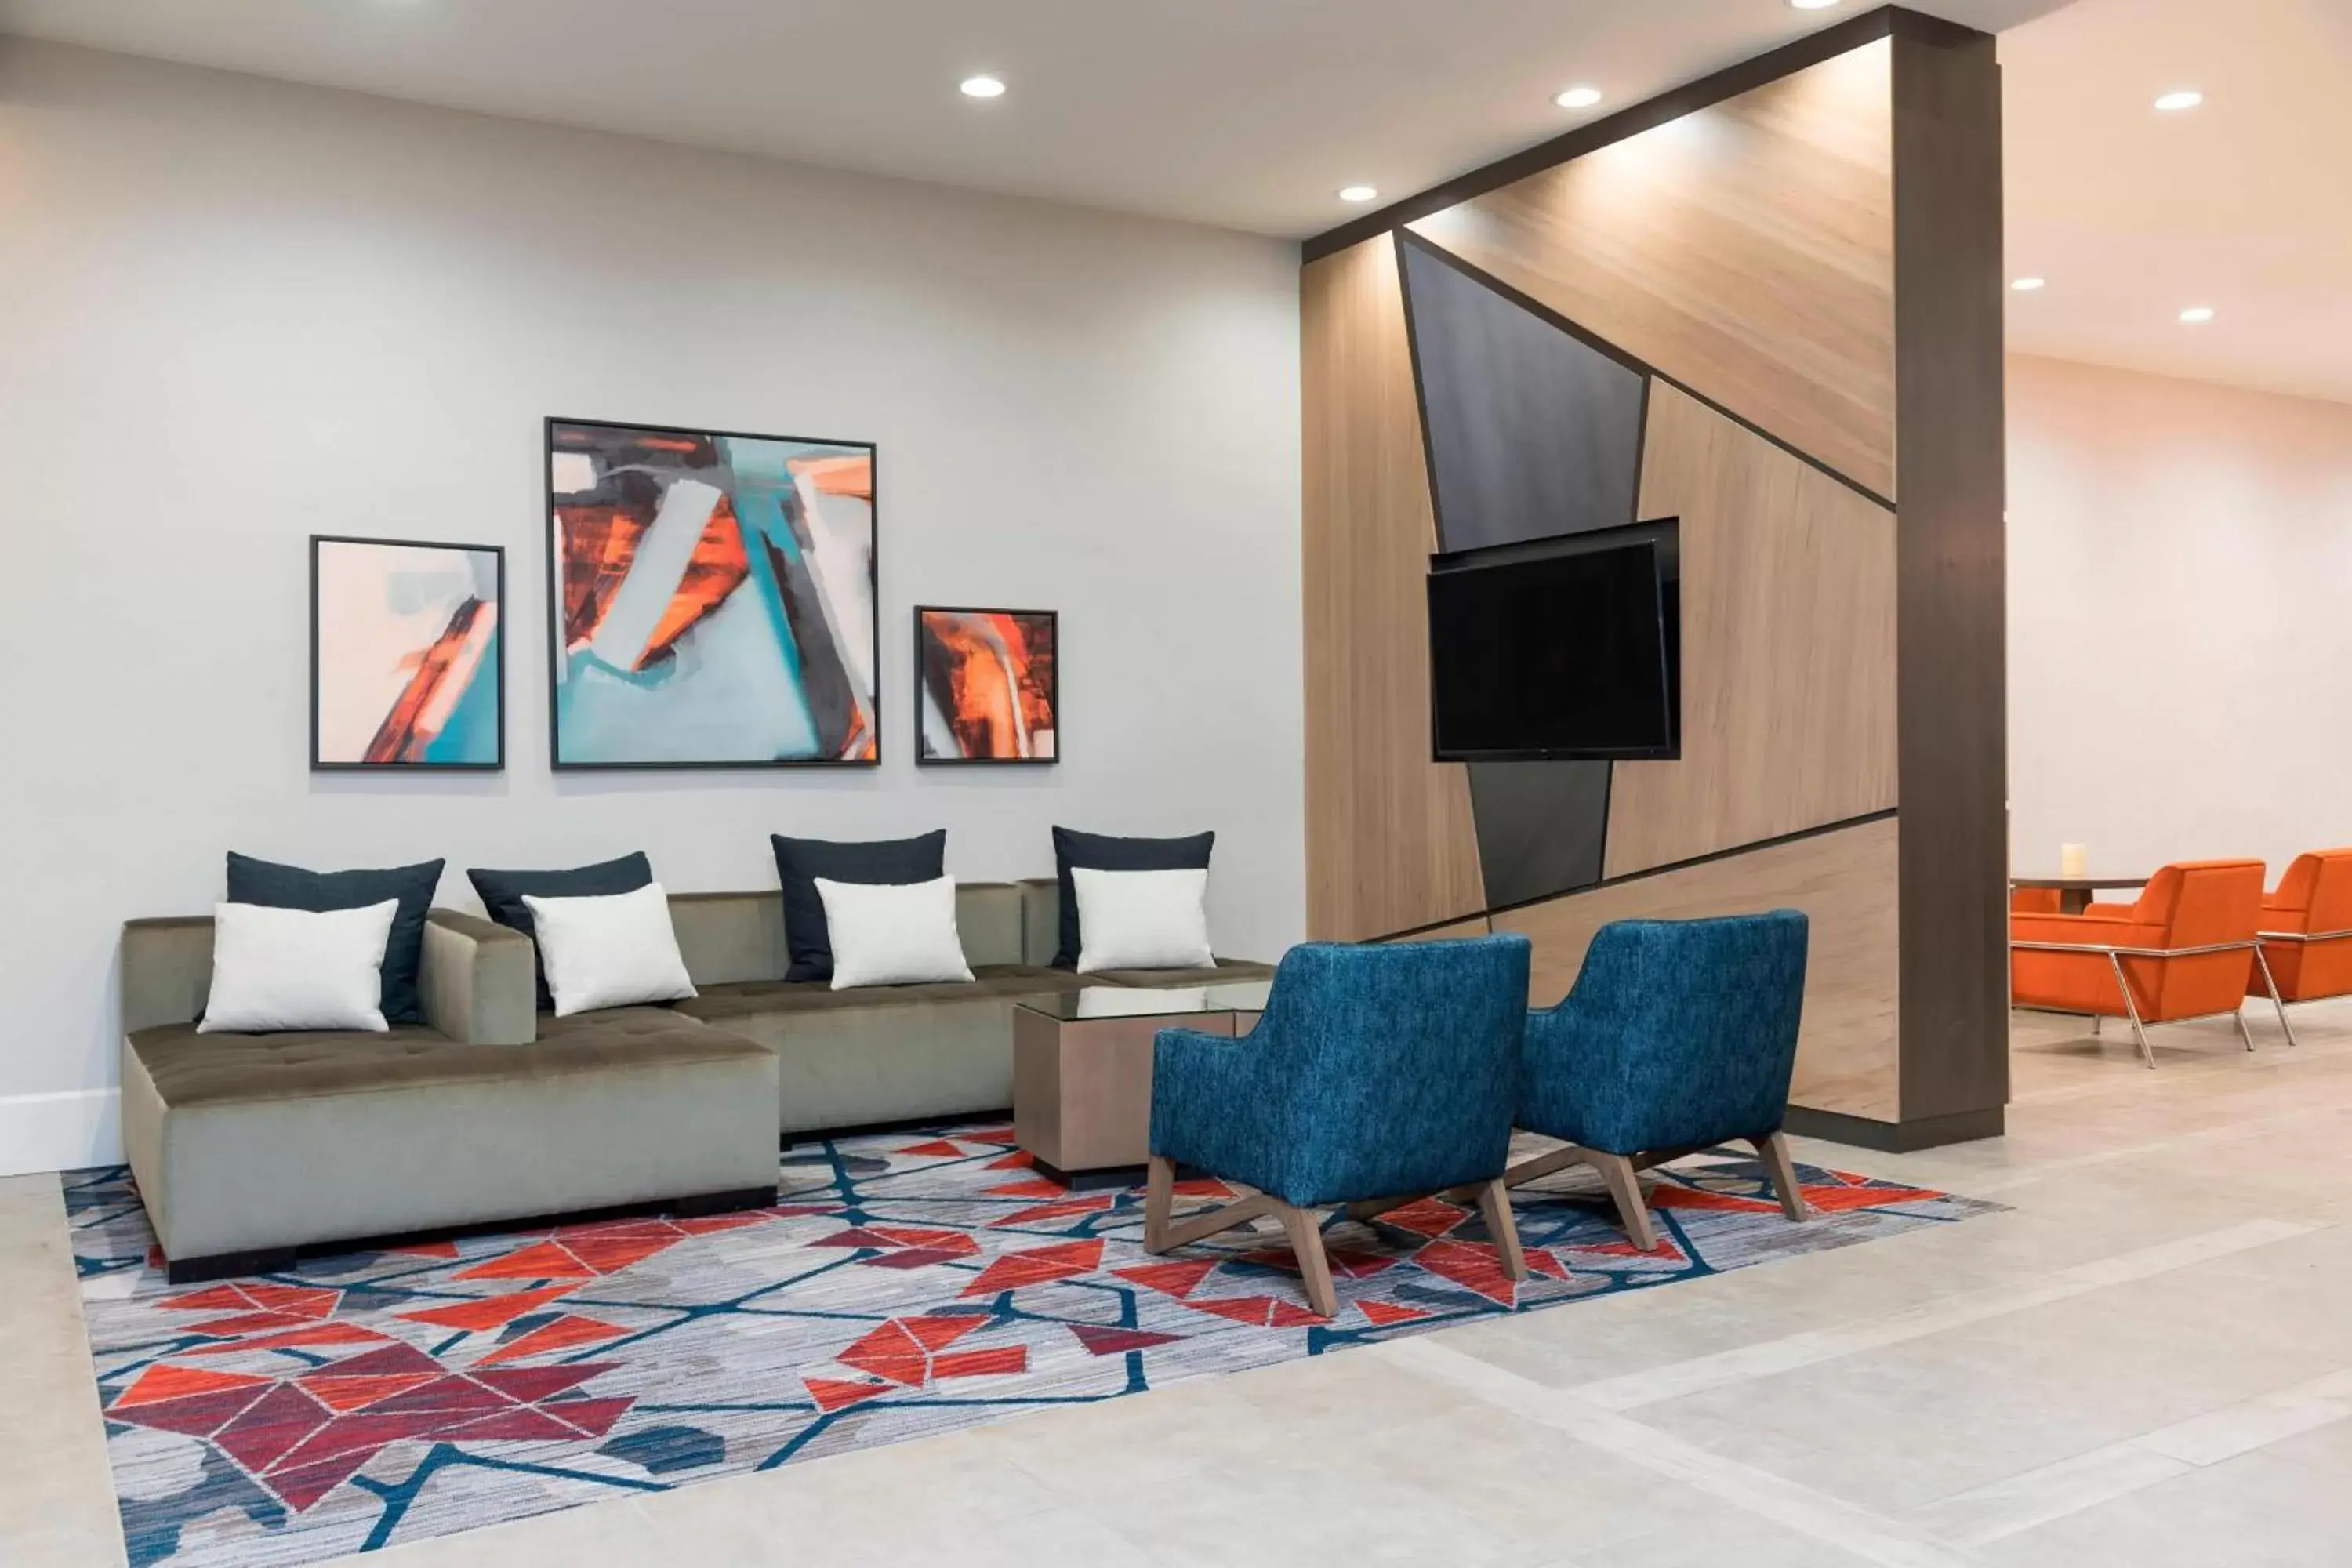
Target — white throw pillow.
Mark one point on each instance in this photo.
(296, 969)
(611, 950)
(885, 933)
(1142, 919)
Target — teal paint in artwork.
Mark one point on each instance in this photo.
(471, 735)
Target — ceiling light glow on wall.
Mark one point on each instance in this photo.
(1356, 193)
(2027, 285)
(1577, 97)
(2174, 103)
(2198, 315)
(982, 86)
(1811, 5)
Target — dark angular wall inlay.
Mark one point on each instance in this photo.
(1531, 432)
(1541, 826)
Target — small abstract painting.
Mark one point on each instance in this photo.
(406, 667)
(711, 599)
(987, 686)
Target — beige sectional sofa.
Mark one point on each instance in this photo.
(249, 1147)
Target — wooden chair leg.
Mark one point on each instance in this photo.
(1617, 1172)
(1306, 1232)
(1159, 1200)
(1773, 1150)
(1495, 1203)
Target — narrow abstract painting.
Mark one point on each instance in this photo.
(711, 599)
(987, 686)
(406, 662)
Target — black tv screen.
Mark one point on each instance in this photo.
(1569, 647)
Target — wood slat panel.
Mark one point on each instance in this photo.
(1389, 840)
(1789, 639)
(1476, 926)
(1845, 880)
(1746, 249)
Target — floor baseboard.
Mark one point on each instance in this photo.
(68, 1131)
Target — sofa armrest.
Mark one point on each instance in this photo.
(479, 983)
(167, 968)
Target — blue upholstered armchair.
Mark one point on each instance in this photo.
(1678, 1035)
(1378, 1075)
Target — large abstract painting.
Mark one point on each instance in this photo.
(406, 662)
(987, 686)
(711, 598)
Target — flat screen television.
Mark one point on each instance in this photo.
(1564, 648)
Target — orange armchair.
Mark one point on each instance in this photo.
(2306, 929)
(2187, 949)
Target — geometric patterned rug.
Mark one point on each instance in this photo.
(906, 1283)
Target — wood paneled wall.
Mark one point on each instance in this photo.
(1788, 599)
(1806, 261)
(1389, 841)
(1845, 881)
(1747, 250)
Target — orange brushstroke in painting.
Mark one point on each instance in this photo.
(416, 715)
(998, 686)
(599, 546)
(850, 476)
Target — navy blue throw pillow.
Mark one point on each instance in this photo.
(1101, 852)
(276, 886)
(882, 862)
(502, 893)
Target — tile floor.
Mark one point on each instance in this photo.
(2148, 1362)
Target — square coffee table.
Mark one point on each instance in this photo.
(1082, 1072)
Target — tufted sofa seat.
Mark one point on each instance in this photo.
(249, 1147)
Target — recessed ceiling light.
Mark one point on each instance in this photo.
(982, 86)
(2027, 285)
(1577, 97)
(2196, 315)
(2173, 103)
(1356, 193)
(1811, 5)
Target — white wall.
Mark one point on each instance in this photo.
(2181, 619)
(233, 313)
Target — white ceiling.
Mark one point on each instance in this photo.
(2244, 203)
(1244, 114)
(1251, 113)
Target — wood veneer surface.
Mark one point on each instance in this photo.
(1788, 647)
(1844, 880)
(1389, 840)
(1746, 249)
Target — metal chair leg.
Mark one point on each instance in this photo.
(2097, 1019)
(2270, 983)
(2238, 1017)
(2131, 1006)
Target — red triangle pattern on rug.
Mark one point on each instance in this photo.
(1015, 1270)
(916, 1282)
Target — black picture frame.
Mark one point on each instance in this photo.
(1054, 618)
(497, 553)
(554, 586)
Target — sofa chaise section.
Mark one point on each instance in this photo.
(248, 1147)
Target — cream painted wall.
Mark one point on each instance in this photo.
(2181, 619)
(236, 313)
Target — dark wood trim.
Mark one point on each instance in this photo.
(274, 1260)
(1894, 1137)
(1600, 345)
(1648, 115)
(1950, 579)
(1645, 873)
